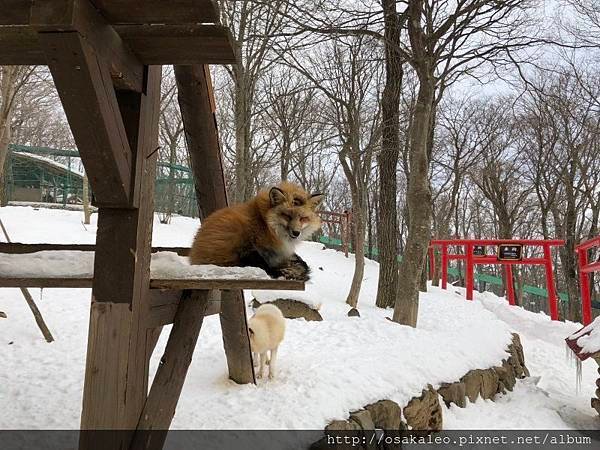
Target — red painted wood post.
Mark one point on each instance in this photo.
(469, 271)
(510, 288)
(584, 285)
(552, 299)
(431, 262)
(444, 266)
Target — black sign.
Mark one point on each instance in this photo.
(479, 250)
(510, 252)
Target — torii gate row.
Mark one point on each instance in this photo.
(105, 57)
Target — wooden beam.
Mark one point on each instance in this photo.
(180, 44)
(18, 12)
(197, 109)
(82, 17)
(121, 283)
(201, 135)
(157, 44)
(20, 248)
(235, 337)
(85, 88)
(119, 347)
(160, 405)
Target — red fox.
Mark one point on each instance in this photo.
(263, 232)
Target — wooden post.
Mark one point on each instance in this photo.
(444, 266)
(510, 287)
(116, 379)
(235, 337)
(159, 408)
(197, 111)
(584, 286)
(469, 268)
(552, 297)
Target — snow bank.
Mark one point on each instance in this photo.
(326, 369)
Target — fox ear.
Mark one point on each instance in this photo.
(277, 196)
(315, 200)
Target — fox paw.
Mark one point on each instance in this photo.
(295, 273)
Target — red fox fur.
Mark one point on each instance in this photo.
(263, 232)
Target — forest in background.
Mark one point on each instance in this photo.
(425, 118)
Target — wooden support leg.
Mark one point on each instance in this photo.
(116, 380)
(168, 382)
(235, 337)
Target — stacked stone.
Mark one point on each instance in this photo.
(596, 401)
(424, 413)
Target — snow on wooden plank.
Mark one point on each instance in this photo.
(585, 343)
(71, 268)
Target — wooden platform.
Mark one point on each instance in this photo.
(105, 58)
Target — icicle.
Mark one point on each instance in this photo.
(579, 376)
(41, 294)
(572, 358)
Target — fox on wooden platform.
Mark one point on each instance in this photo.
(263, 232)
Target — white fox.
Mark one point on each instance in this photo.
(266, 329)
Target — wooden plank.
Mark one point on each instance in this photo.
(160, 405)
(20, 46)
(81, 16)
(235, 337)
(104, 399)
(172, 44)
(159, 11)
(20, 248)
(86, 91)
(114, 400)
(205, 283)
(179, 44)
(17, 12)
(202, 137)
(121, 282)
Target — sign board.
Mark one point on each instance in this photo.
(510, 252)
(479, 250)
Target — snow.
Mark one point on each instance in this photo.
(588, 338)
(326, 369)
(51, 162)
(80, 264)
(169, 265)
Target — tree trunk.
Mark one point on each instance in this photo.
(358, 218)
(419, 208)
(86, 200)
(8, 88)
(387, 226)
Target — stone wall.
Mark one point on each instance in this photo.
(424, 413)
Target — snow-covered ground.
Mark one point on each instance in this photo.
(326, 369)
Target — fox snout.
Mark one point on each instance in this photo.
(294, 233)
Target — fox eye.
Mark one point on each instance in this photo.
(286, 216)
(304, 219)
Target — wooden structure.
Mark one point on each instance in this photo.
(507, 260)
(585, 268)
(105, 57)
(342, 220)
(581, 355)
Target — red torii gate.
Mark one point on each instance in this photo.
(585, 267)
(471, 260)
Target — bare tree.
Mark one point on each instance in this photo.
(348, 79)
(12, 80)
